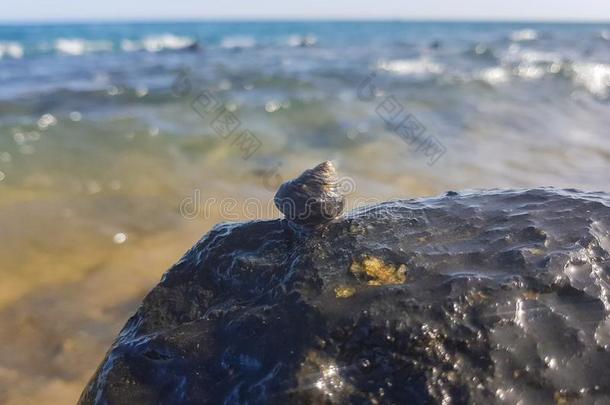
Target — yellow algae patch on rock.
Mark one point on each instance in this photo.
(344, 292)
(378, 272)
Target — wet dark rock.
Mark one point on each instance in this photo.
(435, 44)
(194, 47)
(506, 297)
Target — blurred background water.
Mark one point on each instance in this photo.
(100, 147)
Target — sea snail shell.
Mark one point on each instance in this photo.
(313, 198)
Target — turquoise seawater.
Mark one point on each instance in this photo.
(511, 103)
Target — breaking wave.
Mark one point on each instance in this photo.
(11, 49)
(158, 43)
(524, 35)
(412, 67)
(76, 46)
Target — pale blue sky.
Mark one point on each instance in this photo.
(61, 10)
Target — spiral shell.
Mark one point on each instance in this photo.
(313, 198)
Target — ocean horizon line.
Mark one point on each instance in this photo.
(281, 20)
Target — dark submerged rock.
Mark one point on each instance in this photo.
(506, 297)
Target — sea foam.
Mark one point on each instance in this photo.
(11, 49)
(411, 67)
(157, 43)
(77, 46)
(524, 35)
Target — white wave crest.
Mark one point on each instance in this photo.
(531, 65)
(595, 77)
(11, 49)
(494, 75)
(411, 67)
(158, 43)
(77, 46)
(302, 41)
(540, 57)
(238, 42)
(167, 41)
(530, 72)
(524, 35)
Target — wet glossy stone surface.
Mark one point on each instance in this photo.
(486, 297)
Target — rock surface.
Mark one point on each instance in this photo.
(483, 297)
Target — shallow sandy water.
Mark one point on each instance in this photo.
(54, 335)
